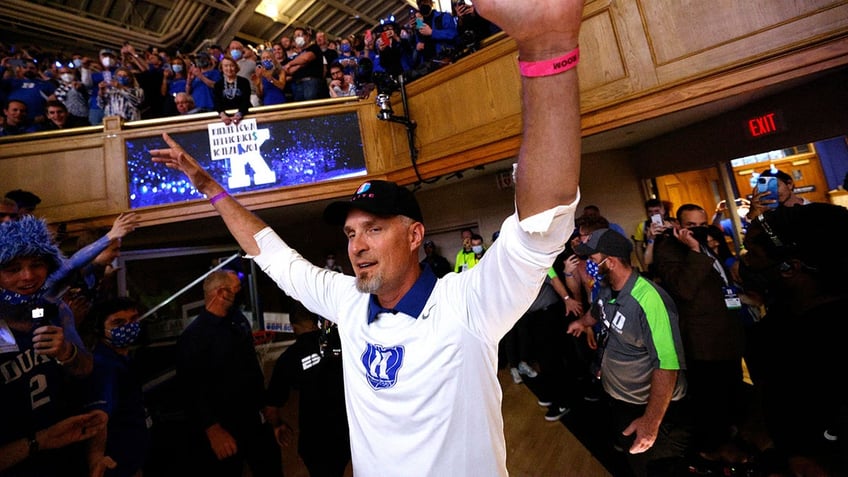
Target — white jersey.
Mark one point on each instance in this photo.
(422, 393)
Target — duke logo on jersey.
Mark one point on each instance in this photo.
(382, 365)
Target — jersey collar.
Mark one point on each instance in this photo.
(412, 303)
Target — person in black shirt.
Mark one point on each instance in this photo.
(231, 92)
(313, 364)
(307, 69)
(437, 263)
(223, 388)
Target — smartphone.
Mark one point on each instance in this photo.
(384, 38)
(769, 185)
(43, 315)
(419, 23)
(657, 219)
(368, 36)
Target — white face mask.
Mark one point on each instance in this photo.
(300, 42)
(67, 77)
(106, 61)
(478, 249)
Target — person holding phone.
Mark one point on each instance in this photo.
(40, 362)
(121, 96)
(786, 196)
(270, 80)
(471, 27)
(436, 31)
(708, 303)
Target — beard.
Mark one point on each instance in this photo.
(369, 284)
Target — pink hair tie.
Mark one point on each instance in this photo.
(534, 69)
(218, 197)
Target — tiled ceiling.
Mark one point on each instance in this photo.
(85, 26)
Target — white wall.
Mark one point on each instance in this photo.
(607, 180)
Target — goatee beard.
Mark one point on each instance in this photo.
(369, 285)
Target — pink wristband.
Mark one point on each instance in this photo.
(534, 69)
(218, 197)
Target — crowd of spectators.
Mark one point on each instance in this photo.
(44, 90)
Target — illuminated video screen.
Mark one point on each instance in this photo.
(250, 157)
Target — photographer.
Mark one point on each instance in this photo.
(435, 32)
(471, 27)
(393, 53)
(708, 304)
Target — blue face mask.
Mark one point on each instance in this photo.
(124, 80)
(594, 271)
(236, 54)
(77, 62)
(177, 68)
(125, 335)
(345, 48)
(268, 64)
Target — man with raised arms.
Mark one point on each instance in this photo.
(421, 383)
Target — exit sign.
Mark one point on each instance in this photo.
(765, 124)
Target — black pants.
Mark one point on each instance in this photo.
(667, 456)
(557, 355)
(257, 447)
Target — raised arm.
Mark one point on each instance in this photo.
(242, 223)
(549, 159)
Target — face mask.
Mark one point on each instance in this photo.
(300, 42)
(67, 77)
(124, 81)
(426, 10)
(106, 61)
(331, 262)
(202, 63)
(593, 270)
(30, 74)
(478, 249)
(268, 64)
(77, 62)
(345, 48)
(125, 335)
(177, 68)
(236, 54)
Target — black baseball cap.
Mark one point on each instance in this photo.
(608, 242)
(382, 198)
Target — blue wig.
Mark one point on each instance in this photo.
(28, 237)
